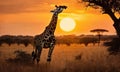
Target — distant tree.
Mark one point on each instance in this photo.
(27, 40)
(109, 7)
(87, 40)
(8, 39)
(0, 41)
(99, 31)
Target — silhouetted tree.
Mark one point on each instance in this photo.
(87, 40)
(7, 39)
(109, 7)
(27, 40)
(99, 31)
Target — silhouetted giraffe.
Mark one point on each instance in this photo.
(47, 38)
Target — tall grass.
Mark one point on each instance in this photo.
(74, 58)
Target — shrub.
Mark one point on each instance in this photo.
(21, 57)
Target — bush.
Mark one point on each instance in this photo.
(114, 46)
(21, 57)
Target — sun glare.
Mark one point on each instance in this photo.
(67, 24)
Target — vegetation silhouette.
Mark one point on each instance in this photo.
(9, 39)
(114, 46)
(66, 39)
(21, 57)
(78, 57)
(99, 33)
(88, 40)
(110, 7)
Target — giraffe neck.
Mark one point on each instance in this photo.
(52, 26)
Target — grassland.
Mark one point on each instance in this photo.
(73, 58)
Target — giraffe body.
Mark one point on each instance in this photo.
(47, 41)
(47, 38)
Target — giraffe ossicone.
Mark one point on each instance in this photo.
(47, 38)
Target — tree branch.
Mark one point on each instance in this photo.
(111, 14)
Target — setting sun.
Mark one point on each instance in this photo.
(67, 24)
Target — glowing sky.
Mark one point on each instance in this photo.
(30, 17)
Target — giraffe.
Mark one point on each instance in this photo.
(47, 38)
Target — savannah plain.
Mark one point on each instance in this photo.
(65, 58)
(71, 53)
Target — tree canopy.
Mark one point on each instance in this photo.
(105, 4)
(99, 30)
(108, 6)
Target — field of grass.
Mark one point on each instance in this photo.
(73, 58)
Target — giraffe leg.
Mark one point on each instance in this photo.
(39, 50)
(50, 53)
(34, 55)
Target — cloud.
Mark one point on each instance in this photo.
(19, 6)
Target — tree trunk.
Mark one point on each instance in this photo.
(117, 27)
(116, 21)
(115, 48)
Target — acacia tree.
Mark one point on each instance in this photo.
(99, 31)
(109, 7)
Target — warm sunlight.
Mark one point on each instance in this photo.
(67, 24)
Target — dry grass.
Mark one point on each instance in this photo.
(74, 58)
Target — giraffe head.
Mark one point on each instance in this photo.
(58, 9)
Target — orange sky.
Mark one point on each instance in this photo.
(30, 17)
